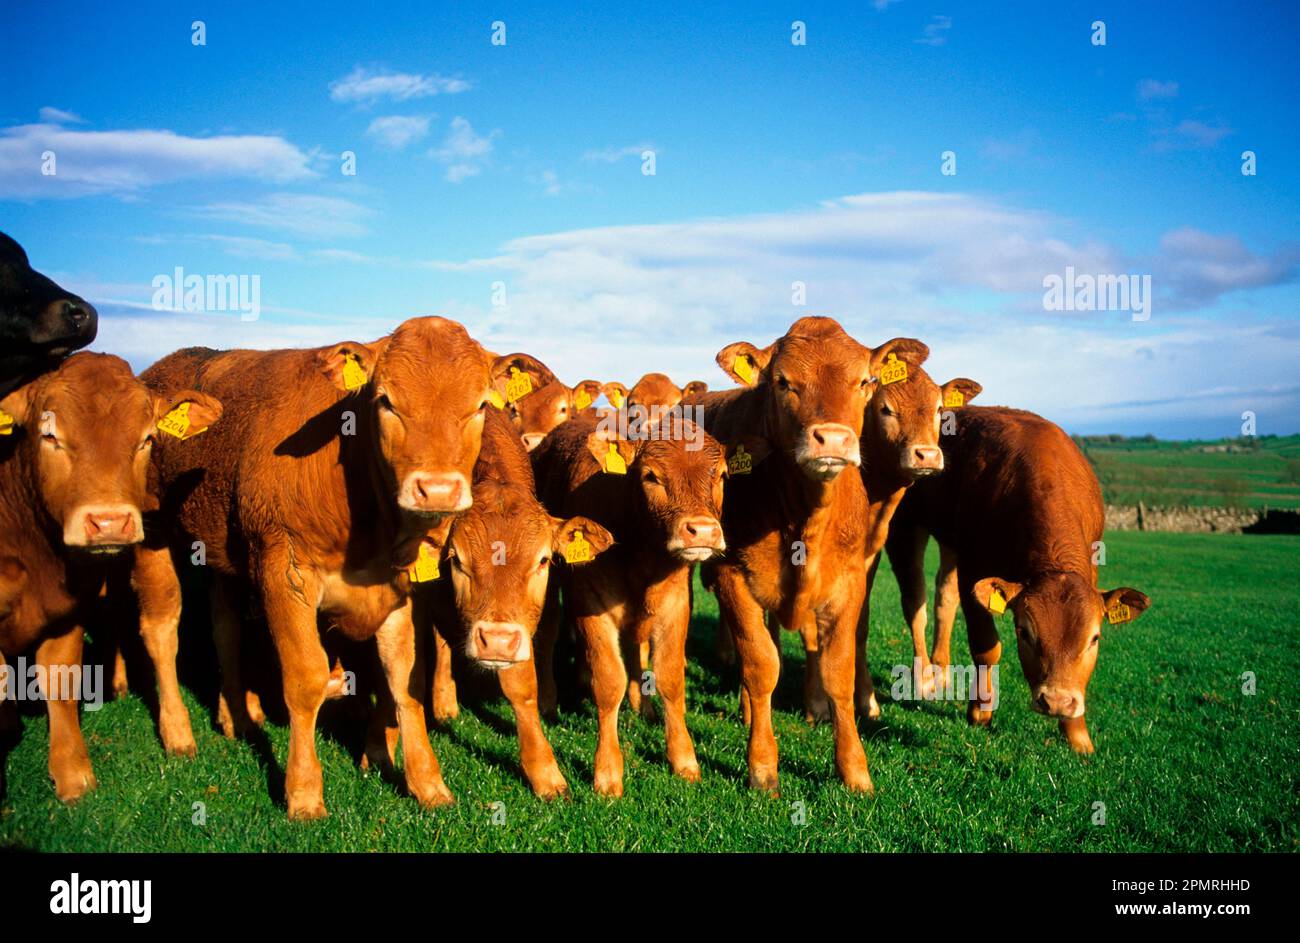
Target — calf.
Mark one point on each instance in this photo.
(794, 523)
(317, 491)
(40, 322)
(657, 488)
(498, 556)
(1018, 516)
(655, 389)
(75, 481)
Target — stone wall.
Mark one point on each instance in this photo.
(1202, 520)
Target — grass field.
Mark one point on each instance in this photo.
(1184, 473)
(1185, 760)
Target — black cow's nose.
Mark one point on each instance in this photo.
(75, 312)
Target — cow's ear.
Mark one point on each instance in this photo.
(743, 362)
(612, 454)
(12, 253)
(996, 594)
(187, 413)
(349, 366)
(616, 393)
(514, 376)
(16, 408)
(744, 452)
(580, 539)
(959, 392)
(1124, 604)
(694, 388)
(908, 349)
(586, 393)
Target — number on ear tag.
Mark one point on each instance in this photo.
(954, 398)
(741, 462)
(518, 386)
(614, 464)
(894, 371)
(997, 602)
(616, 398)
(578, 550)
(581, 400)
(354, 375)
(177, 423)
(1118, 614)
(6, 423)
(425, 567)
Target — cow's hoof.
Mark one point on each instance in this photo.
(306, 808)
(435, 796)
(253, 706)
(977, 717)
(688, 771)
(858, 781)
(72, 783)
(764, 780)
(445, 713)
(817, 712)
(609, 784)
(549, 784)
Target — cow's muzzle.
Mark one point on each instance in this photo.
(103, 527)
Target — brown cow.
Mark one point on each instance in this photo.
(657, 487)
(499, 555)
(536, 401)
(75, 480)
(794, 524)
(382, 436)
(1018, 516)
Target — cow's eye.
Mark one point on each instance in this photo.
(543, 563)
(651, 478)
(866, 382)
(385, 403)
(50, 439)
(1095, 639)
(564, 410)
(782, 383)
(886, 411)
(146, 444)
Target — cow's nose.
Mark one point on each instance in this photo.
(441, 492)
(1056, 702)
(927, 458)
(702, 531)
(532, 440)
(76, 312)
(500, 642)
(833, 440)
(108, 527)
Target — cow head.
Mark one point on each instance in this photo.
(676, 469)
(616, 393)
(500, 552)
(91, 427)
(655, 389)
(904, 416)
(1058, 620)
(427, 385)
(36, 314)
(540, 411)
(815, 382)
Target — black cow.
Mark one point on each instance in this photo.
(40, 323)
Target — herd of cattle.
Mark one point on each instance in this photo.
(419, 487)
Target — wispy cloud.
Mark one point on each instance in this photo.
(464, 151)
(935, 33)
(124, 162)
(612, 155)
(396, 131)
(58, 116)
(366, 86)
(1149, 89)
(303, 214)
(1190, 134)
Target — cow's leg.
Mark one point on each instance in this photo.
(396, 641)
(445, 706)
(864, 690)
(609, 684)
(671, 603)
(548, 632)
(519, 684)
(1075, 730)
(760, 665)
(237, 713)
(158, 591)
(69, 760)
(906, 549)
(946, 599)
(381, 733)
(121, 684)
(291, 617)
(985, 651)
(816, 708)
(632, 666)
(838, 644)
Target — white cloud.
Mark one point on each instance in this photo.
(125, 162)
(463, 151)
(59, 116)
(303, 214)
(397, 131)
(935, 31)
(1190, 133)
(882, 5)
(612, 155)
(1149, 89)
(366, 86)
(962, 273)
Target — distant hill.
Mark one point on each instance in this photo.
(1252, 471)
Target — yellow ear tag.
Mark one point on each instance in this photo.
(997, 602)
(741, 462)
(614, 464)
(581, 399)
(616, 398)
(1119, 614)
(954, 398)
(578, 550)
(354, 375)
(177, 423)
(495, 399)
(743, 369)
(894, 371)
(6, 423)
(425, 567)
(518, 386)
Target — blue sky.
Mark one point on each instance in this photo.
(774, 163)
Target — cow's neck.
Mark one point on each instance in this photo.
(885, 489)
(376, 523)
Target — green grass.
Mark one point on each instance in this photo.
(1181, 473)
(1184, 760)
